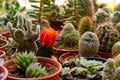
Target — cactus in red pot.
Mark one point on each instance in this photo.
(47, 39)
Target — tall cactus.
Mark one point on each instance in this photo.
(86, 24)
(116, 49)
(25, 40)
(109, 70)
(88, 44)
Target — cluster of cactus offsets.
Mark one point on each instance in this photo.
(47, 39)
(69, 36)
(101, 16)
(117, 74)
(25, 40)
(23, 60)
(88, 44)
(109, 70)
(35, 70)
(85, 25)
(116, 49)
(116, 18)
(108, 36)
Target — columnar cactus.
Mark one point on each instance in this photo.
(24, 40)
(47, 39)
(117, 74)
(85, 25)
(69, 36)
(116, 49)
(88, 44)
(109, 70)
(107, 36)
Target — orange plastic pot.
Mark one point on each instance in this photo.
(6, 35)
(44, 61)
(3, 44)
(3, 72)
(2, 54)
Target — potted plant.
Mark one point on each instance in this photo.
(3, 73)
(28, 67)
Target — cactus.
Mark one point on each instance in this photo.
(118, 26)
(34, 71)
(109, 70)
(24, 40)
(85, 25)
(117, 60)
(117, 74)
(117, 7)
(88, 44)
(69, 36)
(107, 37)
(116, 18)
(23, 60)
(101, 16)
(116, 49)
(46, 39)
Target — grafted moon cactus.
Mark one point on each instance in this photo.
(25, 40)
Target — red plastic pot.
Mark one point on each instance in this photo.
(6, 35)
(2, 54)
(3, 44)
(105, 55)
(42, 60)
(4, 73)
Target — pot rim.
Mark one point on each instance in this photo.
(6, 43)
(5, 71)
(3, 53)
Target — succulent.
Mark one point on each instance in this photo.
(85, 25)
(116, 17)
(46, 39)
(25, 40)
(117, 74)
(101, 16)
(116, 49)
(107, 37)
(88, 44)
(34, 71)
(23, 60)
(108, 70)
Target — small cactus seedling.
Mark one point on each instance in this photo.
(47, 39)
(116, 49)
(88, 44)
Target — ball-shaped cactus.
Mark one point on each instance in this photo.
(35, 70)
(88, 44)
(116, 49)
(23, 60)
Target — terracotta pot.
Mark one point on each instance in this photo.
(105, 55)
(42, 60)
(3, 72)
(2, 54)
(6, 35)
(59, 52)
(3, 44)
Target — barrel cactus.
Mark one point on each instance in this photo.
(116, 49)
(25, 40)
(85, 25)
(109, 70)
(117, 74)
(35, 70)
(47, 39)
(107, 37)
(88, 44)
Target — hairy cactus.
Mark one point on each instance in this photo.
(88, 44)
(109, 70)
(116, 18)
(107, 37)
(24, 40)
(116, 49)
(69, 36)
(46, 39)
(101, 16)
(23, 60)
(85, 25)
(34, 71)
(117, 74)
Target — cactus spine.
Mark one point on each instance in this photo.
(109, 70)
(46, 39)
(24, 40)
(85, 25)
(116, 49)
(88, 44)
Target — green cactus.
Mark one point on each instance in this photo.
(116, 18)
(109, 70)
(34, 71)
(69, 36)
(101, 16)
(23, 60)
(88, 44)
(107, 37)
(85, 25)
(117, 74)
(116, 49)
(117, 7)
(24, 40)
